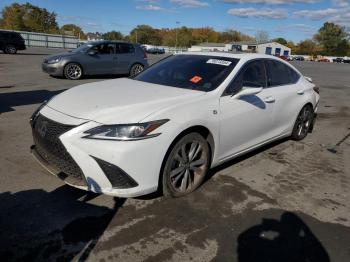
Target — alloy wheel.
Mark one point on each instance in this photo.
(188, 166)
(10, 49)
(303, 123)
(136, 69)
(73, 71)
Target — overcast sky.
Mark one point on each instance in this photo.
(293, 19)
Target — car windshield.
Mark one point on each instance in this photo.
(83, 48)
(197, 72)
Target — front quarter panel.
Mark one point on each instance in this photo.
(203, 111)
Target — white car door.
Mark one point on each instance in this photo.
(245, 122)
(282, 80)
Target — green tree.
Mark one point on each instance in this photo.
(333, 39)
(307, 47)
(145, 34)
(29, 17)
(74, 30)
(281, 41)
(12, 17)
(113, 35)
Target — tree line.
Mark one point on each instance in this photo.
(331, 39)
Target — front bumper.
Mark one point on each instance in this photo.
(52, 69)
(104, 164)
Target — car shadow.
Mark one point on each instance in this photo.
(36, 225)
(10, 100)
(288, 239)
(243, 157)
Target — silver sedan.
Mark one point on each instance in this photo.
(97, 58)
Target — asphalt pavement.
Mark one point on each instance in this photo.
(288, 201)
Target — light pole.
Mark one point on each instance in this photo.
(177, 22)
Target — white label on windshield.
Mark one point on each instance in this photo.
(219, 62)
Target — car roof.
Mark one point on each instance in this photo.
(11, 32)
(244, 56)
(107, 41)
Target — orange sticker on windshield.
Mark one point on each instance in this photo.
(195, 79)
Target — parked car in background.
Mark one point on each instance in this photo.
(166, 127)
(156, 50)
(97, 58)
(338, 60)
(299, 58)
(346, 59)
(283, 57)
(11, 42)
(324, 59)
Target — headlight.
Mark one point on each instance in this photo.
(125, 132)
(54, 60)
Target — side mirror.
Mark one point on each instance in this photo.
(92, 52)
(248, 91)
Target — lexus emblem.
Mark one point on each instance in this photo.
(42, 128)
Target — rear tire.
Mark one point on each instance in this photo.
(73, 71)
(303, 123)
(136, 69)
(186, 166)
(10, 49)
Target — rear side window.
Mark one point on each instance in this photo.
(16, 36)
(280, 74)
(124, 48)
(4, 35)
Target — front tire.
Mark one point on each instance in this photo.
(136, 69)
(303, 123)
(10, 49)
(73, 71)
(186, 166)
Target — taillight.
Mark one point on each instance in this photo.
(316, 89)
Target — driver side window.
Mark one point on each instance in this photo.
(104, 49)
(252, 75)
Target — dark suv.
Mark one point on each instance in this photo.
(10, 42)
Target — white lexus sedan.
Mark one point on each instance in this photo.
(165, 128)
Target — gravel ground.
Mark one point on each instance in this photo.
(288, 201)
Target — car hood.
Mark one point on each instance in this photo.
(119, 101)
(62, 55)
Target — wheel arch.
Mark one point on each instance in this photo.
(200, 129)
(73, 62)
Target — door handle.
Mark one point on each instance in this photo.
(301, 92)
(269, 99)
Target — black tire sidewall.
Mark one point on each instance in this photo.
(168, 191)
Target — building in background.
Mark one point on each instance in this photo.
(94, 36)
(270, 48)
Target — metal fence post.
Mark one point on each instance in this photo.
(28, 40)
(64, 42)
(47, 41)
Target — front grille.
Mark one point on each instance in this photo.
(46, 135)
